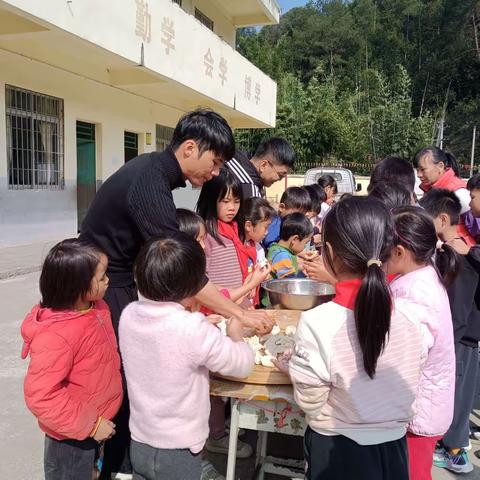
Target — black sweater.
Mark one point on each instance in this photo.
(134, 204)
(464, 296)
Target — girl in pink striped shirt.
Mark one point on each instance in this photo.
(357, 359)
(219, 205)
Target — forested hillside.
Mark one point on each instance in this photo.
(358, 80)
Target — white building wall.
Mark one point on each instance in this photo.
(28, 216)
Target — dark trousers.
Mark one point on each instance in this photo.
(116, 456)
(69, 459)
(151, 463)
(466, 358)
(339, 458)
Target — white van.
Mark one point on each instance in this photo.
(344, 177)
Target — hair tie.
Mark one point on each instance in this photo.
(374, 261)
(440, 245)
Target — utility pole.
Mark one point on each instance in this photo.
(472, 156)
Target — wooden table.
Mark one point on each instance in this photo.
(264, 408)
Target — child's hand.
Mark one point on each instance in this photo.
(316, 271)
(214, 318)
(259, 275)
(105, 430)
(282, 361)
(235, 329)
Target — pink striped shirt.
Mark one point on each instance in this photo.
(223, 268)
(329, 380)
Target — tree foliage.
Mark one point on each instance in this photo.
(358, 80)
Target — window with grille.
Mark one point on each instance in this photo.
(203, 19)
(163, 137)
(35, 146)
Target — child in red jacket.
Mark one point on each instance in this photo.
(73, 383)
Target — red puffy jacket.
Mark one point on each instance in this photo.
(74, 372)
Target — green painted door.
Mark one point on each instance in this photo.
(86, 168)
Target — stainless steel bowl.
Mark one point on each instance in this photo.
(297, 293)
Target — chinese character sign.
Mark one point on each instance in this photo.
(248, 87)
(143, 22)
(208, 62)
(258, 91)
(168, 34)
(223, 70)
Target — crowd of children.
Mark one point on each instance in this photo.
(386, 372)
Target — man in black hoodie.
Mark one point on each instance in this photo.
(272, 161)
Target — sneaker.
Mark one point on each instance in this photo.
(440, 457)
(122, 476)
(475, 433)
(209, 472)
(220, 445)
(459, 463)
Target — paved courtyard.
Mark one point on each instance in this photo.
(21, 442)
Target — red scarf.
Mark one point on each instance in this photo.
(448, 181)
(244, 252)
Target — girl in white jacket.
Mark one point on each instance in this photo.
(357, 360)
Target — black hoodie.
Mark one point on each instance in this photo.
(247, 175)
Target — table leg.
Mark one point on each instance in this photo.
(261, 453)
(232, 442)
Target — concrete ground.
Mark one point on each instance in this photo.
(21, 443)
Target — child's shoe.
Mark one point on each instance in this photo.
(459, 463)
(220, 445)
(209, 472)
(440, 457)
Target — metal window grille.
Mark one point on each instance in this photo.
(203, 19)
(163, 137)
(131, 140)
(35, 140)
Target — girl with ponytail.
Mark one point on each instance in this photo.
(357, 359)
(425, 267)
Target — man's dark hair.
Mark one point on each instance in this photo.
(474, 182)
(391, 194)
(209, 129)
(189, 222)
(438, 155)
(438, 200)
(317, 196)
(393, 169)
(298, 198)
(295, 224)
(280, 149)
(67, 273)
(170, 269)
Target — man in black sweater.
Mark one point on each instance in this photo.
(273, 160)
(135, 204)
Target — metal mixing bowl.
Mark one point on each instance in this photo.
(297, 293)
